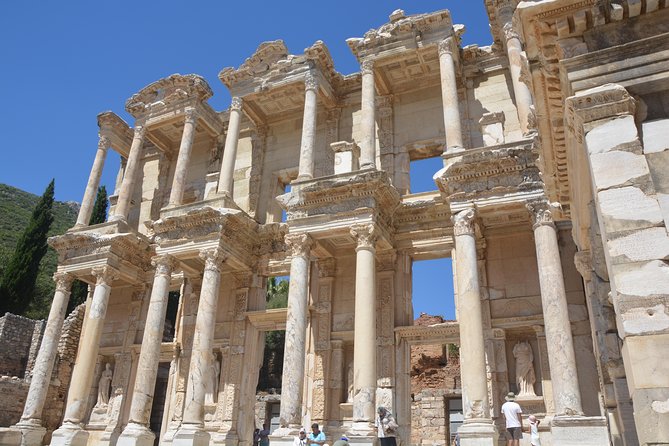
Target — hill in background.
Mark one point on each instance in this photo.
(16, 206)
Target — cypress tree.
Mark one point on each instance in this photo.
(18, 280)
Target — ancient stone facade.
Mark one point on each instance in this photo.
(552, 203)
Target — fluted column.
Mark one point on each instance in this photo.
(130, 176)
(296, 331)
(521, 91)
(137, 432)
(364, 343)
(226, 176)
(192, 430)
(93, 182)
(449, 95)
(561, 357)
(31, 419)
(71, 432)
(368, 120)
(181, 169)
(306, 166)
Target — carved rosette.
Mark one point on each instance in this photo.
(445, 46)
(310, 82)
(104, 275)
(164, 264)
(365, 234)
(104, 143)
(63, 282)
(213, 259)
(540, 212)
(299, 244)
(190, 116)
(236, 104)
(367, 67)
(464, 222)
(139, 131)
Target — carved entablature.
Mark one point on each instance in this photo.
(265, 57)
(493, 171)
(117, 131)
(159, 95)
(595, 104)
(443, 333)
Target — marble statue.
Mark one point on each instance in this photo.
(525, 377)
(103, 386)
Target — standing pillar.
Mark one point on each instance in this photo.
(478, 428)
(292, 382)
(132, 171)
(306, 166)
(181, 170)
(191, 432)
(137, 432)
(71, 431)
(226, 176)
(30, 424)
(364, 343)
(561, 357)
(368, 125)
(449, 95)
(93, 182)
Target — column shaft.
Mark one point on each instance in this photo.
(226, 176)
(368, 120)
(561, 357)
(181, 169)
(449, 96)
(472, 348)
(130, 176)
(364, 344)
(93, 182)
(296, 332)
(521, 91)
(306, 166)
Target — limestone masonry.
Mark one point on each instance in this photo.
(553, 202)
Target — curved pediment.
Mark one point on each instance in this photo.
(173, 88)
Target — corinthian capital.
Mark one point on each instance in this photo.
(540, 212)
(367, 67)
(310, 82)
(445, 46)
(464, 222)
(191, 115)
(299, 244)
(365, 234)
(164, 264)
(213, 259)
(104, 143)
(104, 275)
(509, 31)
(236, 103)
(139, 131)
(63, 282)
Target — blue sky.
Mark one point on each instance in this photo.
(65, 62)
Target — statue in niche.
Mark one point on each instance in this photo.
(103, 387)
(211, 394)
(349, 383)
(525, 377)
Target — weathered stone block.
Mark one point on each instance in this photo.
(618, 168)
(655, 136)
(649, 356)
(628, 208)
(612, 134)
(645, 244)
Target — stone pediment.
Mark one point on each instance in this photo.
(269, 58)
(166, 91)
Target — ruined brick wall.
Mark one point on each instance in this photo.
(13, 392)
(20, 338)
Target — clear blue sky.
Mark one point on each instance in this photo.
(65, 62)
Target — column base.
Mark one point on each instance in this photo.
(69, 434)
(191, 435)
(136, 435)
(579, 431)
(478, 433)
(362, 429)
(32, 432)
(10, 436)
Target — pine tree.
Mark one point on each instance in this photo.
(99, 215)
(18, 280)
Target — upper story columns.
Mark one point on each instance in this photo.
(226, 176)
(93, 182)
(183, 159)
(130, 176)
(306, 166)
(368, 109)
(449, 94)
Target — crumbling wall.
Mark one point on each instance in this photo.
(20, 339)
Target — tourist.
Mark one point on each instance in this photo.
(263, 436)
(534, 430)
(386, 427)
(256, 437)
(316, 436)
(456, 440)
(301, 439)
(343, 441)
(514, 420)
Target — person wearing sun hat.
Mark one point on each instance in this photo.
(301, 439)
(513, 418)
(534, 430)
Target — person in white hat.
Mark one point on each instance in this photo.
(301, 439)
(514, 419)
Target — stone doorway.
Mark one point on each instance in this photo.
(159, 400)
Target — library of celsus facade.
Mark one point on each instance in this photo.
(553, 204)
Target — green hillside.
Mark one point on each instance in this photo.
(15, 209)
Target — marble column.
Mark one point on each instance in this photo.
(31, 419)
(93, 182)
(137, 431)
(368, 120)
(183, 159)
(561, 357)
(130, 177)
(192, 431)
(478, 427)
(290, 415)
(71, 431)
(521, 92)
(226, 176)
(364, 343)
(306, 166)
(449, 95)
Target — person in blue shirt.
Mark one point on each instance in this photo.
(316, 436)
